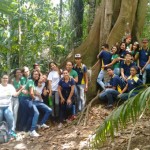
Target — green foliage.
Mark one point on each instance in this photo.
(128, 111)
(29, 33)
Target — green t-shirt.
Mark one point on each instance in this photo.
(117, 64)
(23, 80)
(29, 84)
(73, 74)
(16, 84)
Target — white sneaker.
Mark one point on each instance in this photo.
(34, 134)
(44, 126)
(60, 125)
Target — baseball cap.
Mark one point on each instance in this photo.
(77, 56)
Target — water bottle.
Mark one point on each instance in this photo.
(50, 103)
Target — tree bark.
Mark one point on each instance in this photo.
(91, 13)
(113, 20)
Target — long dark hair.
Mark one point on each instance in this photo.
(58, 70)
(35, 81)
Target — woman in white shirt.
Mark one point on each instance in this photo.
(53, 80)
(6, 93)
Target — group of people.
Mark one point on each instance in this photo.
(27, 100)
(125, 68)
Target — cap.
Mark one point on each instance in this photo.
(145, 40)
(77, 56)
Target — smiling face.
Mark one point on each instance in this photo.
(53, 66)
(110, 72)
(123, 46)
(18, 74)
(133, 71)
(35, 75)
(65, 74)
(69, 66)
(4, 80)
(114, 49)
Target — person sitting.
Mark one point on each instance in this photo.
(126, 65)
(6, 93)
(66, 91)
(115, 87)
(38, 102)
(133, 82)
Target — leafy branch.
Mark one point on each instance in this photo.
(130, 110)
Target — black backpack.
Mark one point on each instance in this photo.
(4, 136)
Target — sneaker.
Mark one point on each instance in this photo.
(44, 126)
(12, 134)
(60, 126)
(109, 106)
(34, 134)
(73, 117)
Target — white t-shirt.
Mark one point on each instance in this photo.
(54, 77)
(39, 90)
(6, 93)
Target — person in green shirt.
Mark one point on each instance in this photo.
(115, 61)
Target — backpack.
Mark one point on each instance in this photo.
(4, 136)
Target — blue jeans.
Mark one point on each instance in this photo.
(44, 108)
(8, 115)
(81, 97)
(117, 71)
(145, 73)
(25, 113)
(110, 95)
(100, 78)
(125, 96)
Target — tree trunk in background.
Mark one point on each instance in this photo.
(112, 19)
(78, 10)
(19, 34)
(9, 29)
(60, 19)
(91, 13)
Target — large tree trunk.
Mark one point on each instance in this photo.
(113, 19)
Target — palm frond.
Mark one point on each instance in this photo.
(130, 110)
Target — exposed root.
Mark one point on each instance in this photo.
(86, 112)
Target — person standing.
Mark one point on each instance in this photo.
(144, 60)
(15, 100)
(105, 57)
(6, 93)
(53, 80)
(82, 84)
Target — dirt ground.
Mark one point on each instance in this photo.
(76, 137)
